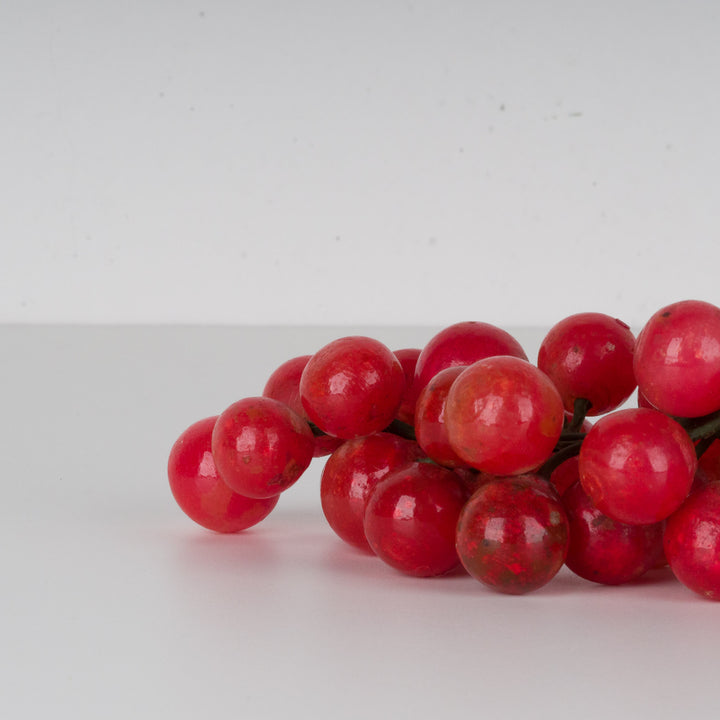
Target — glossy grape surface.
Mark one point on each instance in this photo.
(503, 416)
(351, 474)
(692, 542)
(261, 447)
(709, 461)
(590, 356)
(605, 550)
(430, 428)
(463, 344)
(408, 358)
(201, 493)
(565, 475)
(512, 534)
(411, 517)
(284, 385)
(637, 465)
(352, 387)
(677, 359)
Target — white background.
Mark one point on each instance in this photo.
(356, 162)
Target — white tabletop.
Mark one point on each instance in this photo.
(115, 605)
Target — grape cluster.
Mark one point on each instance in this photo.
(465, 455)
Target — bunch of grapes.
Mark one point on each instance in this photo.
(466, 455)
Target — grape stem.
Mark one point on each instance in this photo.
(703, 445)
(559, 457)
(701, 428)
(571, 439)
(396, 427)
(404, 430)
(566, 437)
(581, 407)
(703, 431)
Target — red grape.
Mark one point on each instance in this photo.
(408, 358)
(463, 344)
(677, 359)
(411, 517)
(503, 416)
(565, 475)
(351, 387)
(261, 447)
(430, 428)
(709, 461)
(637, 465)
(284, 385)
(692, 542)
(200, 492)
(605, 550)
(512, 534)
(351, 474)
(590, 356)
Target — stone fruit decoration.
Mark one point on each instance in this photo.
(463, 456)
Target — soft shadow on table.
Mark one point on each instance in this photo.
(299, 539)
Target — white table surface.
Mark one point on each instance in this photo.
(115, 605)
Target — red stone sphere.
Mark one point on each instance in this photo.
(351, 387)
(261, 447)
(463, 344)
(590, 355)
(692, 542)
(677, 359)
(513, 533)
(503, 416)
(201, 493)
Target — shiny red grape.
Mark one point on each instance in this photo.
(692, 542)
(284, 385)
(463, 344)
(565, 475)
(605, 550)
(351, 474)
(261, 447)
(709, 461)
(637, 465)
(352, 387)
(430, 428)
(408, 358)
(200, 492)
(590, 356)
(677, 359)
(512, 534)
(503, 416)
(411, 517)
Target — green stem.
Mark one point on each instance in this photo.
(703, 445)
(581, 406)
(396, 427)
(702, 428)
(566, 436)
(559, 457)
(404, 430)
(316, 431)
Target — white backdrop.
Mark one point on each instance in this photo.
(357, 162)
